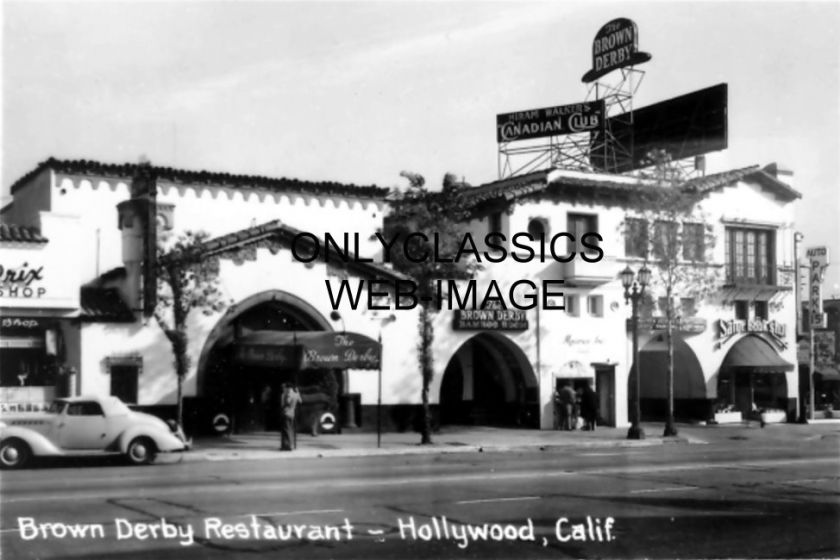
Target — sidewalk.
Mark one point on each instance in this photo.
(474, 439)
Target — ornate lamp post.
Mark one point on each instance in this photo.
(634, 288)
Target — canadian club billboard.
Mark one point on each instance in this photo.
(550, 121)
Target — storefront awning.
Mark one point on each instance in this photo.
(752, 354)
(653, 366)
(309, 350)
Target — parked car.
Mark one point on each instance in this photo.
(89, 425)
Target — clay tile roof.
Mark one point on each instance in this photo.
(752, 173)
(276, 231)
(103, 305)
(20, 234)
(188, 177)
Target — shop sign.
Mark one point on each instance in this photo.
(550, 121)
(824, 348)
(265, 354)
(30, 325)
(730, 327)
(817, 255)
(683, 325)
(492, 318)
(343, 350)
(615, 46)
(22, 281)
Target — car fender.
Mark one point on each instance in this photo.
(164, 440)
(37, 442)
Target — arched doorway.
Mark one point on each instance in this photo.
(752, 376)
(490, 382)
(690, 399)
(244, 381)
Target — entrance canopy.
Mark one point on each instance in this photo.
(752, 354)
(689, 382)
(308, 350)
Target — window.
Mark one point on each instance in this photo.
(742, 310)
(694, 243)
(85, 408)
(572, 305)
(579, 225)
(538, 228)
(761, 310)
(595, 306)
(687, 307)
(665, 240)
(635, 237)
(750, 255)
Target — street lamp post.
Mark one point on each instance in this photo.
(634, 289)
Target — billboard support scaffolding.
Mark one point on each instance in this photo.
(615, 146)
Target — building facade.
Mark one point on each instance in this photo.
(92, 226)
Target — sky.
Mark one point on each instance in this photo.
(357, 92)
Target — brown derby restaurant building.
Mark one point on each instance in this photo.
(74, 251)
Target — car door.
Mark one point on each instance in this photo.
(83, 426)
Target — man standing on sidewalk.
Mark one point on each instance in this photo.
(289, 401)
(566, 400)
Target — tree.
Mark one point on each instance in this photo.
(187, 280)
(436, 215)
(670, 231)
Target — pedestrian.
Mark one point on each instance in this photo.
(289, 401)
(566, 398)
(589, 407)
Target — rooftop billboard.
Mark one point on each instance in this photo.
(685, 126)
(550, 121)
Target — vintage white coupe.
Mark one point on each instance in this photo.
(86, 426)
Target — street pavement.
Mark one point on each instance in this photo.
(713, 492)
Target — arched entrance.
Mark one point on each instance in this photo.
(752, 376)
(242, 380)
(489, 381)
(690, 399)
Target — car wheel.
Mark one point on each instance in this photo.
(141, 451)
(14, 453)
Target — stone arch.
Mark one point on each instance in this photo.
(489, 381)
(224, 327)
(690, 396)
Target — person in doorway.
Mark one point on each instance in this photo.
(589, 407)
(289, 401)
(566, 400)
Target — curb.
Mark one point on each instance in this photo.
(217, 454)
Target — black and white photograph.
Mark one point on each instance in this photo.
(419, 280)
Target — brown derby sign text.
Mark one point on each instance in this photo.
(615, 46)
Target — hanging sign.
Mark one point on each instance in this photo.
(268, 355)
(683, 325)
(339, 350)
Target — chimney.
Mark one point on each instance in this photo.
(781, 173)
